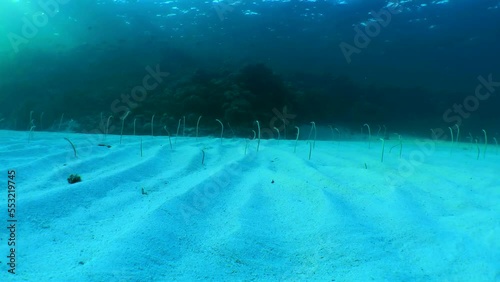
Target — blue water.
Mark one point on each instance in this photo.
(403, 64)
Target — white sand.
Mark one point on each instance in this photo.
(433, 215)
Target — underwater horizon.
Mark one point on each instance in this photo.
(406, 65)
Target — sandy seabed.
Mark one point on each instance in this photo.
(431, 214)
